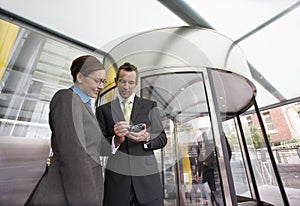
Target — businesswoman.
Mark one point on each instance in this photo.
(74, 176)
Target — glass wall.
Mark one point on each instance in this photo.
(189, 168)
(190, 171)
(34, 64)
(34, 67)
(281, 124)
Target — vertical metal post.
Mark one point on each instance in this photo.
(249, 167)
(177, 169)
(225, 162)
(272, 159)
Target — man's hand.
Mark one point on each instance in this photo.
(137, 137)
(121, 129)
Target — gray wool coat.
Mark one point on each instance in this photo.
(74, 176)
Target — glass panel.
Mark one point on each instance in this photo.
(33, 66)
(190, 153)
(198, 165)
(36, 66)
(285, 144)
(168, 167)
(262, 168)
(237, 164)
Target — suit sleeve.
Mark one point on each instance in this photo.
(106, 141)
(158, 137)
(75, 166)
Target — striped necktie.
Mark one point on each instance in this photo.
(126, 109)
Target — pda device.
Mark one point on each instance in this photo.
(137, 127)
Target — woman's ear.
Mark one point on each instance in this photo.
(79, 77)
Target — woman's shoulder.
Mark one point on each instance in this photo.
(62, 94)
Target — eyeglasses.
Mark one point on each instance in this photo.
(123, 82)
(98, 81)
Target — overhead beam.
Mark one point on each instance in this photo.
(191, 17)
(186, 13)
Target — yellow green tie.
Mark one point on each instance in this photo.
(126, 109)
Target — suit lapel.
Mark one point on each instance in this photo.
(89, 109)
(136, 108)
(85, 105)
(116, 111)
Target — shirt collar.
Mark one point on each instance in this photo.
(85, 98)
(131, 98)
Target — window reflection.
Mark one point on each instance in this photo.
(190, 169)
(35, 67)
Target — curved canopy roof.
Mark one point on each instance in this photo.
(171, 63)
(267, 31)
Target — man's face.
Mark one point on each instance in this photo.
(126, 83)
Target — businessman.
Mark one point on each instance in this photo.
(131, 174)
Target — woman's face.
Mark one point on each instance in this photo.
(92, 83)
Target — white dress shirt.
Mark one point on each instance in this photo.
(131, 99)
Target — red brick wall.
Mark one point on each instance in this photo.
(282, 130)
(280, 124)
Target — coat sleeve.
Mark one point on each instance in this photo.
(158, 137)
(107, 132)
(75, 165)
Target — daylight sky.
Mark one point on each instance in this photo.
(274, 50)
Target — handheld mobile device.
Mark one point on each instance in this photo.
(137, 128)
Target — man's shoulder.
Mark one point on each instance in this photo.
(146, 101)
(108, 104)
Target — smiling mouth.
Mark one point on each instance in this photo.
(126, 92)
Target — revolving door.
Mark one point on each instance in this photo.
(201, 82)
(195, 164)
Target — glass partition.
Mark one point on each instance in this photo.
(34, 64)
(190, 170)
(286, 158)
(34, 67)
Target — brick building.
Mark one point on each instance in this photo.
(281, 123)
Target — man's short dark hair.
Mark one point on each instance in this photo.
(127, 67)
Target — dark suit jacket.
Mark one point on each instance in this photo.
(132, 163)
(75, 175)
